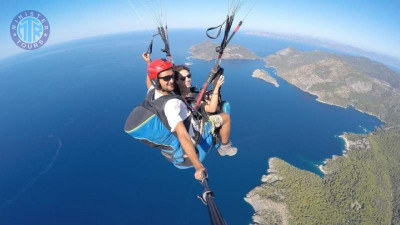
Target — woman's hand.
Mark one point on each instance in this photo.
(220, 81)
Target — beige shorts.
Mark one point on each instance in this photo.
(216, 120)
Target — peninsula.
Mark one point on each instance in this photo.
(363, 185)
(264, 75)
(342, 80)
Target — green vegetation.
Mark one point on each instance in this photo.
(363, 186)
(342, 80)
(360, 188)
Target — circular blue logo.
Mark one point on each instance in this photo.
(30, 30)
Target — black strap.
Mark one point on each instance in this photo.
(233, 33)
(225, 40)
(213, 28)
(157, 107)
(224, 43)
(164, 37)
(220, 49)
(150, 48)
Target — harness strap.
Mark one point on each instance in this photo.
(234, 32)
(157, 107)
(213, 28)
(150, 48)
(164, 37)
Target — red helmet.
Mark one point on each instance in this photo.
(157, 66)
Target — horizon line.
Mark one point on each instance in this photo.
(278, 35)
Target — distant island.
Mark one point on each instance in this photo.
(363, 185)
(330, 44)
(206, 51)
(264, 75)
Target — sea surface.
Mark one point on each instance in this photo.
(65, 159)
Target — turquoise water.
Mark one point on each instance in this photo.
(64, 158)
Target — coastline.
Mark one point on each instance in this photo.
(322, 168)
(346, 107)
(265, 76)
(318, 98)
(344, 169)
(268, 211)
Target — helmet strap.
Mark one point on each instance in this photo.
(156, 83)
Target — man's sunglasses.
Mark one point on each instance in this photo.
(182, 78)
(167, 78)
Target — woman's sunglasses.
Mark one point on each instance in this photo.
(167, 78)
(182, 78)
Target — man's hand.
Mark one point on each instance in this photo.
(146, 57)
(200, 174)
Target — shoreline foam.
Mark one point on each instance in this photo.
(334, 157)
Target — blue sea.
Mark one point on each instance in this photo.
(65, 159)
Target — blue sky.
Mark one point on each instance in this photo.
(370, 25)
